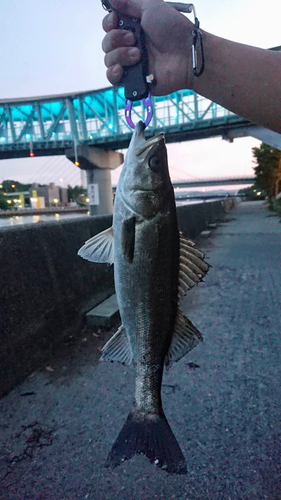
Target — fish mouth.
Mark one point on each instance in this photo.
(146, 145)
(143, 190)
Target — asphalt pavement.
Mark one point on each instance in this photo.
(222, 400)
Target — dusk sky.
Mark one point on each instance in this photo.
(54, 47)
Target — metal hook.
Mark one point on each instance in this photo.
(128, 110)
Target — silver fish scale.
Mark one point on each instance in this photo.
(147, 296)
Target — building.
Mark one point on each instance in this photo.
(53, 195)
(63, 196)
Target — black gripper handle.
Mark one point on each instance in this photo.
(134, 79)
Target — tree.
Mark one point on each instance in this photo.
(3, 202)
(268, 160)
(10, 186)
(252, 193)
(74, 192)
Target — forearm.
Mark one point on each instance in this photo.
(243, 79)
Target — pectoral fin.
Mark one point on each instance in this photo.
(118, 348)
(128, 238)
(186, 337)
(100, 248)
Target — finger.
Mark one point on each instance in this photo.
(110, 22)
(129, 7)
(116, 39)
(114, 74)
(123, 55)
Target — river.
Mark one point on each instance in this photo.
(20, 220)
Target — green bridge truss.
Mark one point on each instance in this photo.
(51, 124)
(44, 126)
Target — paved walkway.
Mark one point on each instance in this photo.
(222, 401)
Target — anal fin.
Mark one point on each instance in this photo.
(185, 338)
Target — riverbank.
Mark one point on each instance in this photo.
(222, 400)
(17, 218)
(22, 220)
(46, 289)
(40, 211)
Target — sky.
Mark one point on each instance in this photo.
(54, 47)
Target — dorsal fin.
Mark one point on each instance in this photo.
(184, 242)
(100, 248)
(192, 268)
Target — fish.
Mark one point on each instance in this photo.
(154, 266)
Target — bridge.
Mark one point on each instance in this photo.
(49, 125)
(44, 126)
(222, 181)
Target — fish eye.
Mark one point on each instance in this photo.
(154, 163)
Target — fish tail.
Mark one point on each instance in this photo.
(149, 435)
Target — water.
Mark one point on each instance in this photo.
(19, 220)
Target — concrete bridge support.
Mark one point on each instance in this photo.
(100, 191)
(265, 135)
(97, 164)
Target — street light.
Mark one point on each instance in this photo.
(31, 154)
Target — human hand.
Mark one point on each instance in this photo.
(168, 40)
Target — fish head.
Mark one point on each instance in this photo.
(145, 180)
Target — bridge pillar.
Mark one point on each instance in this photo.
(97, 163)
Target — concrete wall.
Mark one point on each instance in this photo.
(45, 288)
(193, 219)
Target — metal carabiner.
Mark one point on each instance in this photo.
(128, 110)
